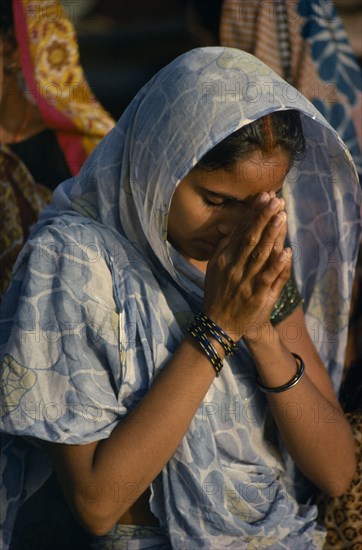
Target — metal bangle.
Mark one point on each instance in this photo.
(300, 371)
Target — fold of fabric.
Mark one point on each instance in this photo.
(100, 301)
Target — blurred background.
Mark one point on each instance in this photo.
(124, 42)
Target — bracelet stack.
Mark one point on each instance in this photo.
(298, 375)
(200, 328)
(203, 327)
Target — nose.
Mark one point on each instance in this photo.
(225, 226)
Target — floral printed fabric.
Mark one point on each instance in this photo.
(322, 28)
(100, 301)
(323, 66)
(55, 79)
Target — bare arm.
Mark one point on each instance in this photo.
(309, 417)
(241, 288)
(142, 444)
(101, 480)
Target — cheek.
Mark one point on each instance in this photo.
(197, 217)
(187, 214)
(177, 222)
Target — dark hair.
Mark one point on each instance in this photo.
(279, 129)
(6, 17)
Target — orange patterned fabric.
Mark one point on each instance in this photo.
(55, 79)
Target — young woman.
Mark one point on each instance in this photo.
(154, 340)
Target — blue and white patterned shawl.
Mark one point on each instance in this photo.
(100, 301)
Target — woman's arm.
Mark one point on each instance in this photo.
(101, 480)
(309, 417)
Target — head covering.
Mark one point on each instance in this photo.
(55, 80)
(305, 42)
(104, 300)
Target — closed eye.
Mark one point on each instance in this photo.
(227, 201)
(212, 204)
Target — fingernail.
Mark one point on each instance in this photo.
(286, 255)
(263, 198)
(279, 218)
(274, 203)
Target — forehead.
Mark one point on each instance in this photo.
(250, 176)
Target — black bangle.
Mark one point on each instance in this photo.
(298, 375)
(201, 338)
(216, 332)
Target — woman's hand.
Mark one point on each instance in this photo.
(245, 276)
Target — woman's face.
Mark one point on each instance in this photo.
(206, 206)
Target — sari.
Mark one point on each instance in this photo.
(100, 301)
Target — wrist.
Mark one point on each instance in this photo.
(218, 347)
(275, 363)
(214, 341)
(256, 335)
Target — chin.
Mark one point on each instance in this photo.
(194, 254)
(201, 257)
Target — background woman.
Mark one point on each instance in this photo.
(50, 119)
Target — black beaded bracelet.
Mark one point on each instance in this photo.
(201, 338)
(298, 375)
(216, 332)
